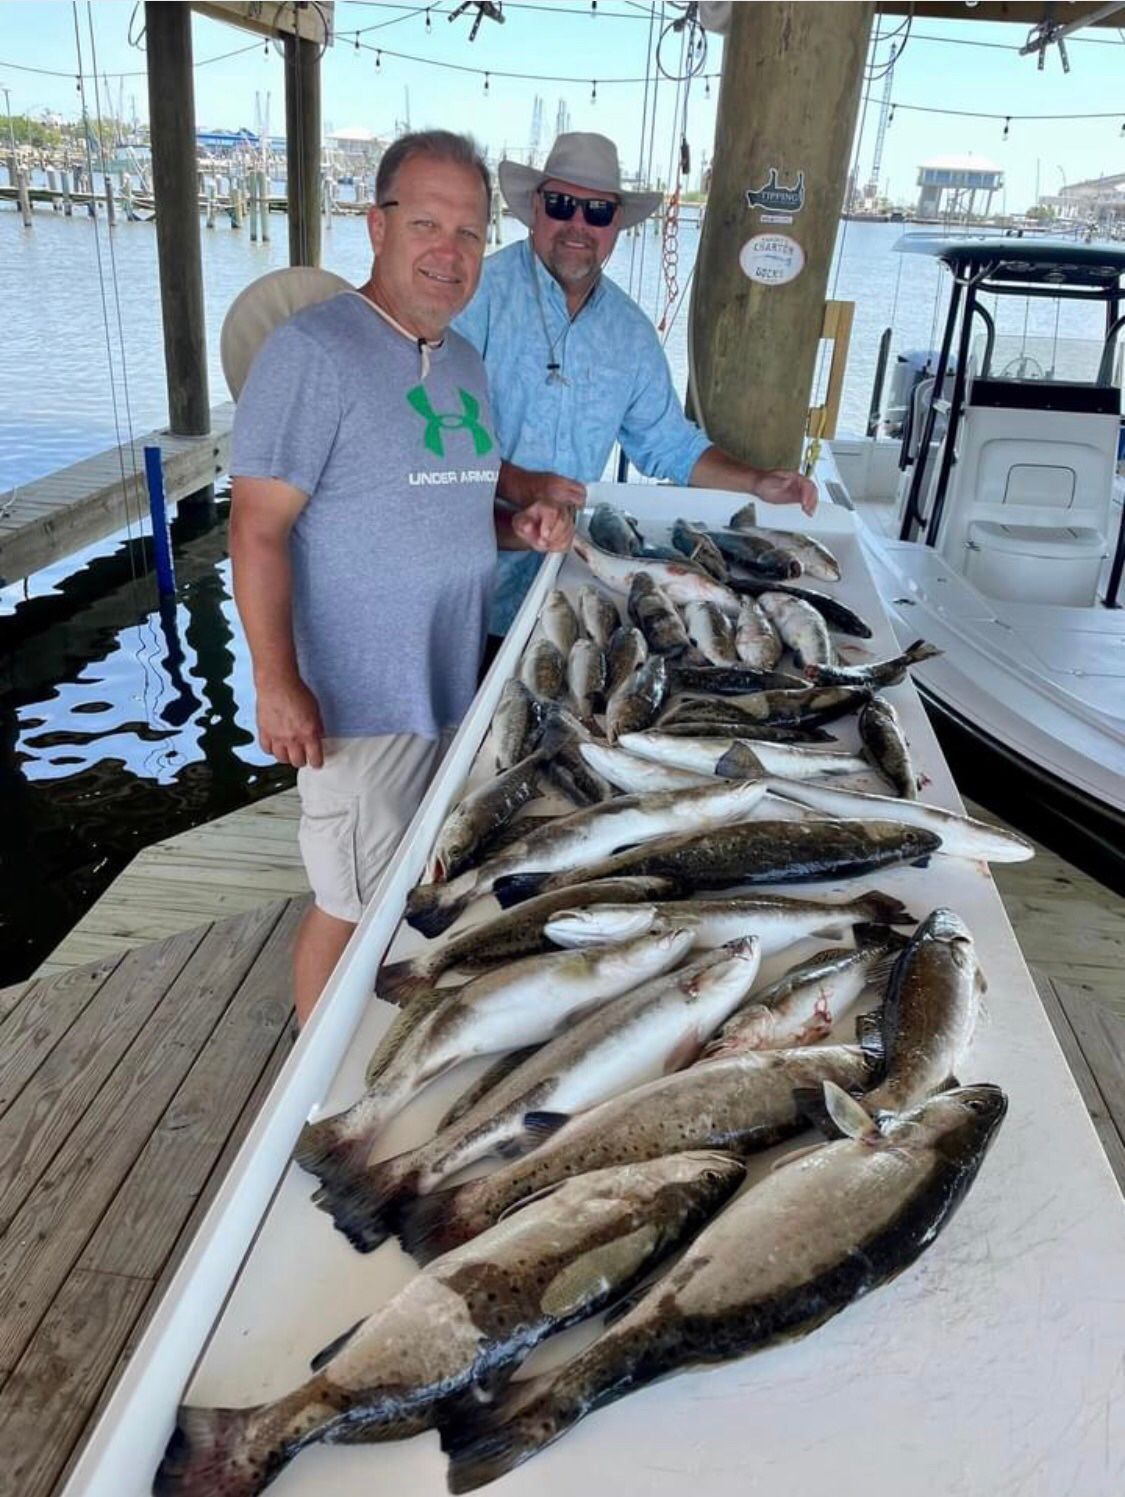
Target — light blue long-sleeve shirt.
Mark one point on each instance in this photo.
(616, 387)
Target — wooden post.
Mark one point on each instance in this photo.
(24, 198)
(110, 206)
(211, 204)
(792, 78)
(302, 133)
(68, 206)
(264, 203)
(252, 184)
(171, 104)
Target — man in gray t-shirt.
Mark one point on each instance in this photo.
(364, 532)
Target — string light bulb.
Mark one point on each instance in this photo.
(891, 116)
(378, 62)
(486, 85)
(357, 41)
(1007, 123)
(428, 26)
(706, 88)
(594, 91)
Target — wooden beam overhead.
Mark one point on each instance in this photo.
(1020, 12)
(290, 18)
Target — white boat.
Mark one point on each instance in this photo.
(994, 529)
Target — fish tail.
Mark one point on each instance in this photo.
(431, 910)
(215, 1453)
(331, 1152)
(514, 888)
(401, 982)
(364, 1207)
(883, 909)
(485, 1443)
(430, 1225)
(920, 650)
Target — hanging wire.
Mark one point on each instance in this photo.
(644, 121)
(102, 291)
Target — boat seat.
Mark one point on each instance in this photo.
(1057, 564)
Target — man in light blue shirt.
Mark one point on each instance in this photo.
(573, 363)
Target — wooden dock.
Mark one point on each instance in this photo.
(127, 1083)
(126, 1087)
(50, 518)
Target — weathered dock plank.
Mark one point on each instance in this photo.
(51, 517)
(39, 1021)
(39, 1121)
(1098, 1068)
(144, 1163)
(56, 1221)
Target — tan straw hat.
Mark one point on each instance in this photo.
(586, 160)
(265, 304)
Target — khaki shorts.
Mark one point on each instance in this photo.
(354, 810)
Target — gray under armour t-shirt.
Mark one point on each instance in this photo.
(393, 554)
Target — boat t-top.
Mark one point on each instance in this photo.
(993, 520)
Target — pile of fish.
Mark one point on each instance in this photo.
(653, 1015)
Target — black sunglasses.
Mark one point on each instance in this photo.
(598, 212)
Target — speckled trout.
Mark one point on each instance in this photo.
(742, 1104)
(524, 1003)
(468, 1319)
(659, 1027)
(794, 1250)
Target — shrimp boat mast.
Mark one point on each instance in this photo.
(994, 526)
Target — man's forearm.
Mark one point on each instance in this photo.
(263, 591)
(716, 469)
(516, 485)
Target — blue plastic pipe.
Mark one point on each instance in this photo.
(161, 539)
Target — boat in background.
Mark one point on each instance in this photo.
(994, 527)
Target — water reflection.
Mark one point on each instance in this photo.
(122, 721)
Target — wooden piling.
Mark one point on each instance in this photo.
(302, 131)
(264, 203)
(792, 78)
(110, 205)
(252, 187)
(25, 200)
(68, 204)
(171, 101)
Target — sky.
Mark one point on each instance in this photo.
(944, 66)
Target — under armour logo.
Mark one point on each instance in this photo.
(439, 421)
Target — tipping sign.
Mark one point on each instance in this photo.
(771, 259)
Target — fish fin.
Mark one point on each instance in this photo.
(514, 888)
(327, 1150)
(428, 1226)
(810, 1103)
(948, 1085)
(488, 1442)
(924, 861)
(326, 1353)
(921, 650)
(884, 909)
(541, 1124)
(740, 762)
(849, 1115)
(212, 1450)
(535, 1195)
(558, 728)
(621, 1307)
(745, 518)
(401, 982)
(364, 1205)
(430, 911)
(869, 1034)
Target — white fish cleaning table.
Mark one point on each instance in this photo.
(993, 1366)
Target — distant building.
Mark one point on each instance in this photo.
(1100, 200)
(950, 184)
(357, 146)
